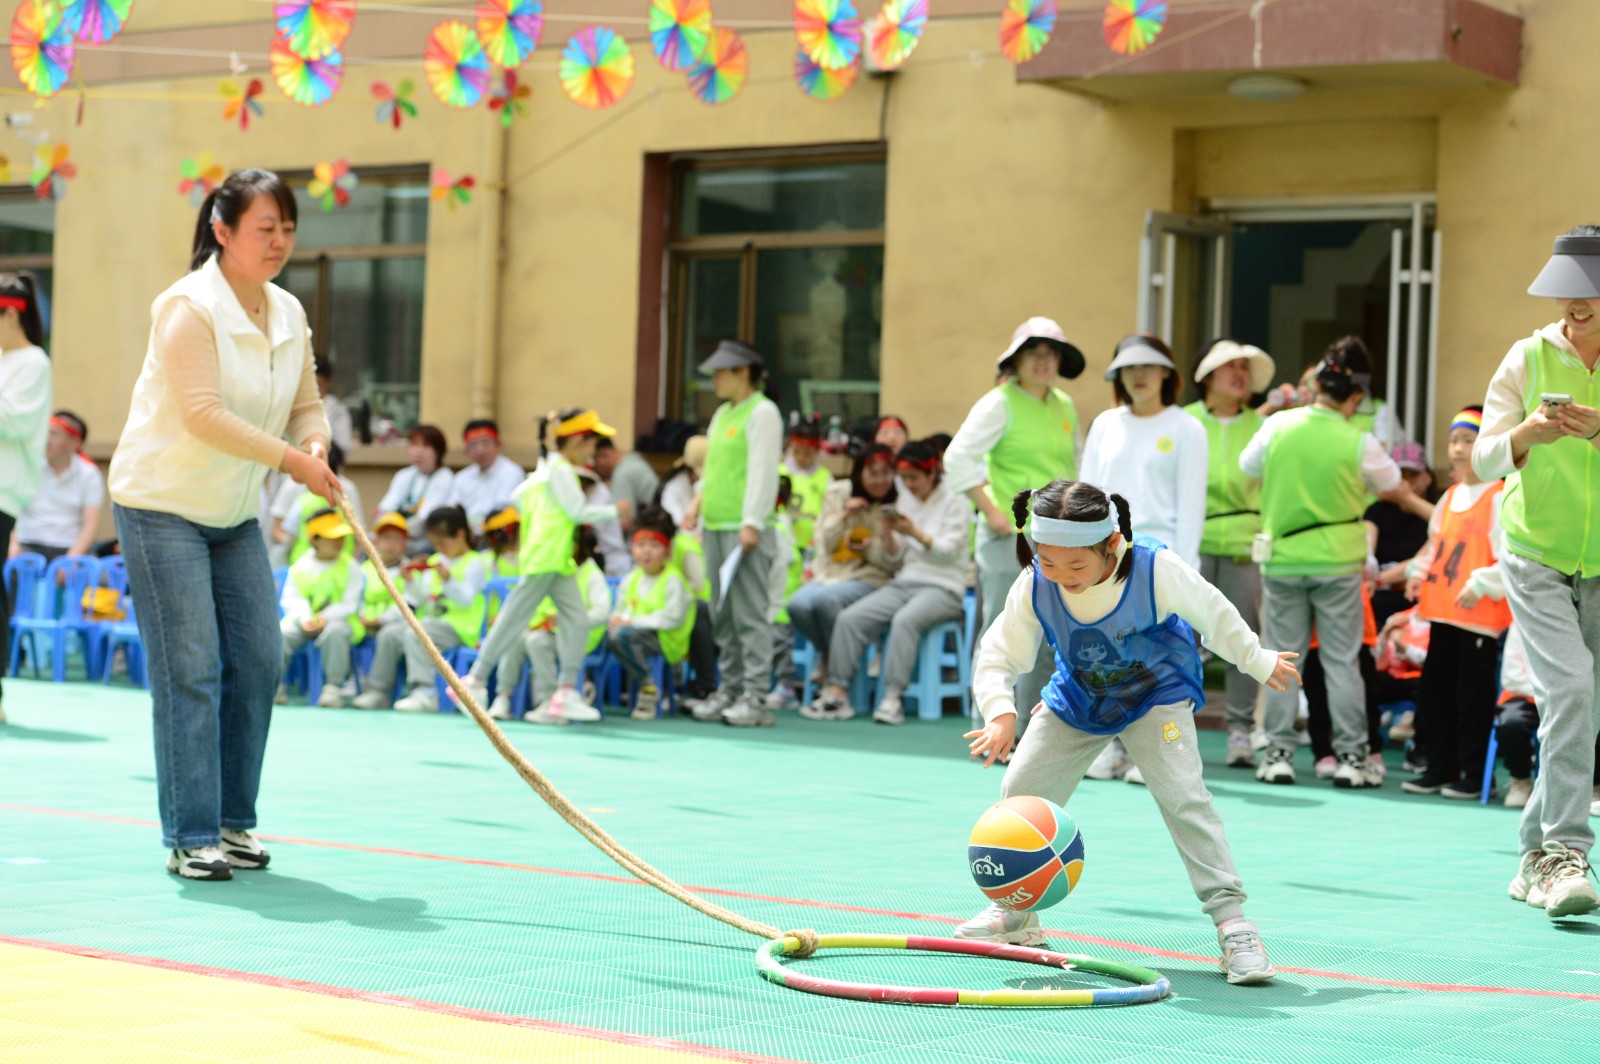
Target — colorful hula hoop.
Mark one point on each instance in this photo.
(1150, 985)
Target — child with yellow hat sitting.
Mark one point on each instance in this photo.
(321, 598)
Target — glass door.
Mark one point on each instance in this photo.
(1185, 268)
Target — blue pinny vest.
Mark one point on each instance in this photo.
(1114, 671)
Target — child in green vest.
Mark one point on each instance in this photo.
(552, 505)
(539, 647)
(390, 536)
(320, 600)
(788, 573)
(808, 477)
(446, 591)
(291, 513)
(655, 610)
(1541, 421)
(502, 536)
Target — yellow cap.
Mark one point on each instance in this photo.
(328, 526)
(502, 519)
(392, 520)
(588, 421)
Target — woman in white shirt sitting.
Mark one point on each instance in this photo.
(421, 487)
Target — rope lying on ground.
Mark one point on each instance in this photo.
(547, 790)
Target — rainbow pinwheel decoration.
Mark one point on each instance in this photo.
(896, 31)
(315, 28)
(721, 71)
(819, 83)
(680, 32)
(241, 103)
(1025, 26)
(596, 67)
(41, 47)
(52, 170)
(201, 176)
(829, 31)
(510, 30)
(454, 193)
(509, 98)
(394, 104)
(308, 82)
(95, 21)
(332, 183)
(456, 65)
(1130, 25)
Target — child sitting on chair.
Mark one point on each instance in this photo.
(502, 539)
(539, 646)
(390, 536)
(321, 598)
(655, 609)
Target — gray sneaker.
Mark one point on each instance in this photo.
(711, 709)
(744, 714)
(1241, 754)
(995, 924)
(1244, 958)
(1527, 879)
(1564, 876)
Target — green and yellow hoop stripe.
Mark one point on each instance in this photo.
(1150, 985)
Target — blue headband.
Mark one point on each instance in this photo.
(1054, 532)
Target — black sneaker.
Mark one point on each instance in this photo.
(202, 862)
(243, 850)
(1428, 783)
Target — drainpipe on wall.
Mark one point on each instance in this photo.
(491, 244)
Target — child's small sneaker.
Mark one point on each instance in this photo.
(205, 863)
(825, 708)
(1519, 792)
(1427, 783)
(478, 689)
(1326, 767)
(1527, 879)
(1241, 754)
(1244, 958)
(890, 711)
(712, 708)
(243, 850)
(1111, 764)
(1462, 791)
(281, 698)
(645, 702)
(1276, 767)
(1133, 775)
(500, 708)
(1354, 771)
(1564, 876)
(422, 700)
(1594, 809)
(743, 714)
(370, 700)
(331, 697)
(569, 705)
(995, 924)
(1404, 729)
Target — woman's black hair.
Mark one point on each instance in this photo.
(83, 429)
(228, 204)
(21, 285)
(1169, 383)
(920, 453)
(481, 423)
(1072, 500)
(447, 521)
(785, 491)
(586, 544)
(858, 490)
(430, 437)
(1343, 368)
(655, 519)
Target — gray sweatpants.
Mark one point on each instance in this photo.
(1052, 757)
(1240, 584)
(333, 642)
(1292, 604)
(516, 613)
(906, 610)
(997, 571)
(739, 619)
(1559, 618)
(395, 640)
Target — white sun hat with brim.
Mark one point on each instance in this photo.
(1037, 330)
(1573, 271)
(1137, 354)
(1262, 368)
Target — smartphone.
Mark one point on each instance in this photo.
(890, 512)
(1552, 400)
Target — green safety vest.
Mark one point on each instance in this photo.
(1313, 477)
(310, 503)
(808, 491)
(1366, 415)
(547, 609)
(501, 565)
(793, 578)
(727, 464)
(674, 643)
(1038, 446)
(467, 621)
(548, 533)
(374, 596)
(683, 545)
(1233, 497)
(1548, 515)
(323, 589)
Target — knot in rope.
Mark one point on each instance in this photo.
(808, 941)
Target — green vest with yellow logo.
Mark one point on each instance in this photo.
(727, 464)
(1233, 497)
(375, 598)
(1039, 444)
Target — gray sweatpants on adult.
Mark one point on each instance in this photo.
(906, 610)
(1240, 584)
(739, 618)
(395, 640)
(997, 571)
(1559, 618)
(1052, 757)
(1291, 605)
(516, 613)
(333, 643)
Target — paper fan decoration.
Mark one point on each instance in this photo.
(719, 74)
(456, 65)
(41, 47)
(454, 193)
(680, 32)
(394, 104)
(52, 170)
(508, 99)
(829, 31)
(241, 103)
(1025, 26)
(95, 21)
(1130, 25)
(596, 67)
(896, 31)
(308, 82)
(332, 183)
(315, 28)
(820, 83)
(201, 176)
(510, 30)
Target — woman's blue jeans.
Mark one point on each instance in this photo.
(207, 608)
(814, 609)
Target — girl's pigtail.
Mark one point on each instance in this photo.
(1125, 526)
(1019, 516)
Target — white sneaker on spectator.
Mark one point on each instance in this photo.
(370, 699)
(711, 709)
(1375, 763)
(500, 708)
(1564, 878)
(541, 714)
(202, 862)
(1594, 810)
(780, 698)
(1518, 793)
(243, 850)
(1111, 763)
(1326, 767)
(1355, 771)
(1526, 881)
(1276, 767)
(331, 697)
(890, 711)
(1405, 728)
(420, 700)
(478, 689)
(825, 708)
(646, 702)
(1240, 752)
(1244, 958)
(2, 715)
(569, 705)
(995, 924)
(744, 714)
(1596, 792)
(1133, 775)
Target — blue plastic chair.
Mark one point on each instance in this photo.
(124, 634)
(1489, 758)
(944, 646)
(43, 609)
(280, 576)
(23, 575)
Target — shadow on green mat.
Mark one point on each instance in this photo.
(1204, 992)
(305, 901)
(47, 735)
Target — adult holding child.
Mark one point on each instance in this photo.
(228, 376)
(24, 412)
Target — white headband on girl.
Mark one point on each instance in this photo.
(1054, 532)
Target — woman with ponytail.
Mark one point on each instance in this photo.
(24, 413)
(1120, 615)
(227, 393)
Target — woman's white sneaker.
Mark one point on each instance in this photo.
(243, 850)
(202, 862)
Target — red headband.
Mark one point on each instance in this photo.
(650, 533)
(13, 303)
(482, 432)
(63, 424)
(893, 421)
(927, 465)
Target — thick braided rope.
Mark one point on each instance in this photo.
(547, 790)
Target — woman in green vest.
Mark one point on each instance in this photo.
(1228, 374)
(1541, 431)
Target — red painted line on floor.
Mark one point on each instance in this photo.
(1093, 940)
(638, 1041)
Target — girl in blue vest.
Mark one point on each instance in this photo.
(1117, 613)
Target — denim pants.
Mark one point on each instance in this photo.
(816, 607)
(7, 524)
(634, 647)
(208, 616)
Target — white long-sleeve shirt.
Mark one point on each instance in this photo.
(1504, 409)
(1377, 468)
(1011, 645)
(946, 518)
(674, 609)
(477, 490)
(296, 608)
(469, 574)
(965, 465)
(24, 424)
(1159, 464)
(1487, 581)
(763, 434)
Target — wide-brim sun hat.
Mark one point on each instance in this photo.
(1262, 367)
(731, 354)
(1044, 330)
(1573, 271)
(1138, 354)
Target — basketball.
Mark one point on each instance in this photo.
(1025, 854)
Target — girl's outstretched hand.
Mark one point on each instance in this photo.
(1285, 672)
(994, 740)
